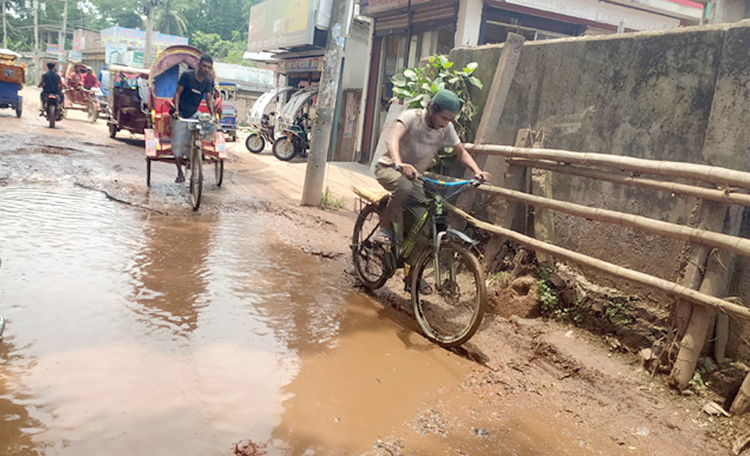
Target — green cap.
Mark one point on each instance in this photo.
(445, 100)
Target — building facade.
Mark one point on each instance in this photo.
(405, 31)
(296, 32)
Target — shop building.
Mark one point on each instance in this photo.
(296, 32)
(405, 31)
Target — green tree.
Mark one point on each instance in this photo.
(170, 19)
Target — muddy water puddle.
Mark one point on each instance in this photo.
(130, 333)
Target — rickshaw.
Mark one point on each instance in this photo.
(210, 147)
(12, 78)
(262, 123)
(228, 118)
(128, 100)
(77, 96)
(294, 125)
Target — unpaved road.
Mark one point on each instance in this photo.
(138, 327)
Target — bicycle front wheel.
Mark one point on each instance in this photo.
(196, 177)
(448, 294)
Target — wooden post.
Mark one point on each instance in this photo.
(697, 330)
(512, 214)
(493, 110)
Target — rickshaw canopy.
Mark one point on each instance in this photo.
(260, 105)
(165, 70)
(291, 110)
(129, 72)
(7, 54)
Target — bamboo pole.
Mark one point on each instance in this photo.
(671, 230)
(741, 403)
(722, 338)
(697, 331)
(703, 173)
(609, 268)
(720, 196)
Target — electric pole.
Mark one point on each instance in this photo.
(35, 5)
(150, 5)
(62, 38)
(5, 28)
(327, 97)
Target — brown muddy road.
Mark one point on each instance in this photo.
(147, 329)
(138, 327)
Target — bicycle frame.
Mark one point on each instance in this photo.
(435, 213)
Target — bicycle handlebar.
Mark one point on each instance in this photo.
(473, 182)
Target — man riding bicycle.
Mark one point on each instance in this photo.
(191, 88)
(411, 145)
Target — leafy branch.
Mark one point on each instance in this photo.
(416, 87)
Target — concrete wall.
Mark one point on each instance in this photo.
(681, 95)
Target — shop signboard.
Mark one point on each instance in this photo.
(301, 65)
(75, 56)
(133, 59)
(276, 24)
(135, 38)
(603, 13)
(115, 53)
(370, 7)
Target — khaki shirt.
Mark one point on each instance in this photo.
(420, 143)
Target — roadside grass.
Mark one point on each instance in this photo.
(330, 201)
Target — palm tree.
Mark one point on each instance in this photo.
(169, 18)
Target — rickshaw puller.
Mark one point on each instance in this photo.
(191, 88)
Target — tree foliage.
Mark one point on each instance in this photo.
(416, 86)
(218, 27)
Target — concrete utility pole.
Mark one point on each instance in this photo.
(35, 5)
(150, 5)
(327, 96)
(62, 37)
(5, 28)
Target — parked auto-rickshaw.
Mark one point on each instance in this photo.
(228, 118)
(77, 96)
(262, 123)
(12, 78)
(128, 100)
(293, 123)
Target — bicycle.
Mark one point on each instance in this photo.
(448, 291)
(199, 129)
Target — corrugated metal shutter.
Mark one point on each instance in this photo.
(435, 12)
(423, 15)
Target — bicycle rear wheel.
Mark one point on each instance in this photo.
(449, 305)
(370, 258)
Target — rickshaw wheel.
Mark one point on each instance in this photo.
(283, 149)
(19, 109)
(93, 113)
(219, 171)
(112, 130)
(255, 143)
(196, 178)
(148, 173)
